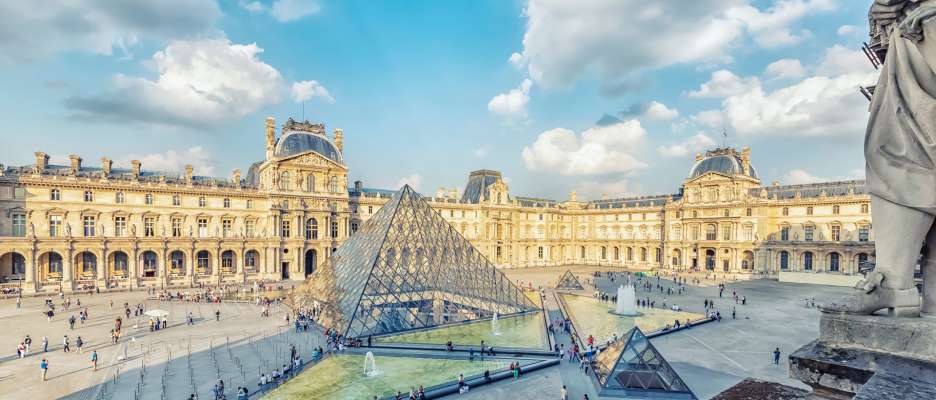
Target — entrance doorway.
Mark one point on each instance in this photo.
(310, 258)
(710, 260)
(285, 270)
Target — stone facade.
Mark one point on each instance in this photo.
(80, 226)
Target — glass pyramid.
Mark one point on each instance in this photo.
(569, 281)
(406, 269)
(631, 367)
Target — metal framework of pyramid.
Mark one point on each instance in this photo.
(569, 281)
(407, 268)
(631, 367)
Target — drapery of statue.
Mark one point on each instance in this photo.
(900, 159)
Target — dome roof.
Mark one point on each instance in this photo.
(294, 142)
(723, 161)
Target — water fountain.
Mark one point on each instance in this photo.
(369, 361)
(626, 301)
(494, 330)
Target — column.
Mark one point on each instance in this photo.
(132, 268)
(67, 271)
(101, 268)
(29, 286)
(190, 268)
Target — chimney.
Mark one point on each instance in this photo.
(75, 163)
(236, 177)
(42, 161)
(136, 169)
(358, 186)
(270, 136)
(188, 174)
(339, 139)
(106, 165)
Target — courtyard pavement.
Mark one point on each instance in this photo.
(183, 359)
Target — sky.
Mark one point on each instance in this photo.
(603, 97)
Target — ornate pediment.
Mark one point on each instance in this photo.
(310, 158)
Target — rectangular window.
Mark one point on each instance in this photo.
(120, 226)
(540, 251)
(808, 233)
(19, 192)
(334, 228)
(785, 233)
(88, 196)
(149, 227)
(249, 203)
(226, 228)
(863, 233)
(285, 229)
(695, 232)
(176, 200)
(88, 223)
(203, 227)
(148, 199)
(202, 202)
(19, 225)
(227, 203)
(836, 233)
(726, 232)
(249, 227)
(748, 233)
(55, 225)
(176, 227)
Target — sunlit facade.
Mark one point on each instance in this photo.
(80, 226)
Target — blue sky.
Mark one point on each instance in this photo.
(427, 91)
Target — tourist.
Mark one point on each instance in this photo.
(71, 322)
(21, 350)
(18, 305)
(28, 343)
(94, 359)
(563, 393)
(65, 347)
(45, 344)
(44, 366)
(776, 356)
(733, 313)
(218, 315)
(79, 343)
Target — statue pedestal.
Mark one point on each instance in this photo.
(869, 357)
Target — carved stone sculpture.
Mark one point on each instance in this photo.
(901, 160)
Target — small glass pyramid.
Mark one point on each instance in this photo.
(408, 268)
(631, 367)
(568, 281)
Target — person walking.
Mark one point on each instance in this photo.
(18, 303)
(65, 347)
(79, 343)
(563, 393)
(45, 344)
(44, 366)
(776, 356)
(94, 359)
(218, 315)
(28, 343)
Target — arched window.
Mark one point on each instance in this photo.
(311, 232)
(310, 183)
(177, 260)
(834, 262)
(807, 261)
(120, 263)
(784, 260)
(711, 232)
(88, 263)
(55, 263)
(227, 262)
(250, 261)
(203, 262)
(862, 259)
(284, 180)
(149, 264)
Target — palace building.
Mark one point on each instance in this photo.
(82, 226)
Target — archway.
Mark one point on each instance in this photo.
(250, 261)
(310, 258)
(50, 265)
(86, 262)
(710, 259)
(119, 264)
(150, 263)
(227, 262)
(747, 262)
(12, 267)
(177, 263)
(676, 262)
(203, 262)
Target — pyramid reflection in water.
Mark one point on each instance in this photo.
(631, 367)
(568, 281)
(407, 269)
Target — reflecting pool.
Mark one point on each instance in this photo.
(525, 331)
(591, 317)
(341, 376)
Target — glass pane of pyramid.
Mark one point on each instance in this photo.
(406, 269)
(632, 367)
(569, 281)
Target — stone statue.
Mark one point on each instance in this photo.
(32, 230)
(900, 160)
(67, 229)
(190, 233)
(133, 230)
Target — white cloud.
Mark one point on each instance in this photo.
(709, 118)
(30, 31)
(480, 152)
(618, 39)
(174, 161)
(846, 30)
(200, 82)
(724, 83)
(696, 143)
(820, 105)
(659, 112)
(516, 59)
(787, 68)
(306, 90)
(771, 28)
(252, 6)
(513, 103)
(799, 177)
(292, 10)
(597, 151)
(414, 180)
